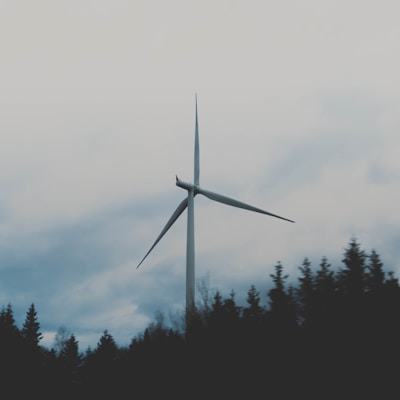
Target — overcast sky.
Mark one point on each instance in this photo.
(299, 114)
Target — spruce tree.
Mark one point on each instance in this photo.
(305, 294)
(375, 277)
(282, 311)
(31, 329)
(70, 355)
(9, 332)
(10, 349)
(325, 284)
(106, 350)
(282, 336)
(254, 310)
(33, 366)
(253, 328)
(279, 299)
(352, 278)
(325, 295)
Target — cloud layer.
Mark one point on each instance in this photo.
(298, 113)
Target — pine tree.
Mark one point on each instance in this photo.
(70, 360)
(353, 310)
(225, 326)
(106, 350)
(31, 329)
(8, 330)
(10, 349)
(70, 353)
(325, 280)
(282, 312)
(375, 277)
(100, 373)
(216, 306)
(214, 318)
(305, 294)
(279, 299)
(282, 335)
(225, 314)
(253, 310)
(253, 328)
(32, 367)
(325, 294)
(352, 279)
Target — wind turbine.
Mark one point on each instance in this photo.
(194, 189)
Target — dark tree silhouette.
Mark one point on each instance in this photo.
(306, 294)
(11, 350)
(332, 335)
(352, 277)
(375, 276)
(254, 310)
(282, 309)
(71, 360)
(32, 368)
(31, 329)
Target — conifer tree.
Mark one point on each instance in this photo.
(282, 334)
(217, 304)
(224, 313)
(232, 311)
(106, 349)
(352, 279)
(8, 330)
(70, 360)
(70, 355)
(325, 280)
(225, 319)
(375, 277)
(33, 366)
(282, 311)
(279, 299)
(100, 372)
(10, 349)
(253, 326)
(31, 328)
(254, 310)
(353, 309)
(325, 293)
(305, 294)
(215, 316)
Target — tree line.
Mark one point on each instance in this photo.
(335, 333)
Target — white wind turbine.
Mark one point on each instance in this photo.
(193, 189)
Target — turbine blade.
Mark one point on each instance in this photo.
(235, 203)
(170, 222)
(196, 152)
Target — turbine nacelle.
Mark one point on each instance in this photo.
(188, 186)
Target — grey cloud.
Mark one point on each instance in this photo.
(381, 174)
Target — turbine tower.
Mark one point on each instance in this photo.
(194, 189)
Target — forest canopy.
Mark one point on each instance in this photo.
(335, 329)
